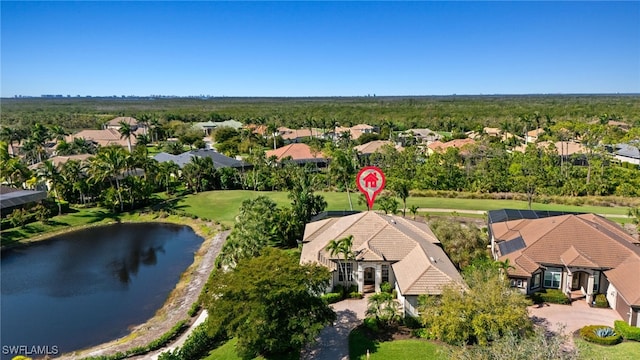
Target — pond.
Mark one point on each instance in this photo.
(90, 286)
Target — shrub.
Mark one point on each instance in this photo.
(197, 344)
(332, 297)
(553, 296)
(601, 301)
(355, 295)
(371, 324)
(627, 331)
(386, 287)
(195, 308)
(412, 322)
(600, 334)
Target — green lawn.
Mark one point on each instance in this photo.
(629, 350)
(227, 351)
(397, 349)
(223, 205)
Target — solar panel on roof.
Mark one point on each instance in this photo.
(507, 247)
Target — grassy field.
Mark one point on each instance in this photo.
(398, 349)
(227, 351)
(629, 350)
(223, 205)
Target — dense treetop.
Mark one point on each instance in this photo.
(439, 112)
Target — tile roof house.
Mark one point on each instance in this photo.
(105, 137)
(438, 146)
(534, 135)
(581, 254)
(298, 153)
(354, 132)
(114, 124)
(404, 253)
(219, 160)
(295, 135)
(421, 136)
(376, 146)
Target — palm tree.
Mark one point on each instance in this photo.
(272, 129)
(126, 132)
(109, 164)
(343, 167)
(342, 247)
(414, 210)
(401, 189)
(49, 172)
(74, 172)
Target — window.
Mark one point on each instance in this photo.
(535, 281)
(349, 271)
(519, 283)
(385, 273)
(596, 281)
(552, 278)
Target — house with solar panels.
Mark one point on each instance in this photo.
(582, 255)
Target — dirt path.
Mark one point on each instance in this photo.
(175, 309)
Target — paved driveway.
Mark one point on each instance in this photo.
(333, 341)
(572, 317)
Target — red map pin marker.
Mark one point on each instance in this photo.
(370, 181)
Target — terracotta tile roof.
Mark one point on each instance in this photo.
(420, 265)
(104, 137)
(625, 278)
(116, 122)
(59, 160)
(376, 146)
(535, 132)
(585, 240)
(566, 148)
(295, 151)
(293, 134)
(457, 143)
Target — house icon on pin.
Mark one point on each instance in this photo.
(371, 180)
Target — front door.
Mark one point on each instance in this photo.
(575, 281)
(369, 276)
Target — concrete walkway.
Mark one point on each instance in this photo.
(174, 345)
(333, 341)
(571, 317)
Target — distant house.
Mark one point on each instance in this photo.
(298, 153)
(295, 135)
(404, 253)
(438, 146)
(580, 254)
(60, 160)
(421, 136)
(13, 198)
(105, 137)
(208, 126)
(376, 146)
(219, 160)
(628, 153)
(115, 124)
(534, 135)
(354, 132)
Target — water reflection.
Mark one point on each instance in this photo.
(124, 268)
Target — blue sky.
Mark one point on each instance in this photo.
(319, 48)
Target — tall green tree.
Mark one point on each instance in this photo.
(126, 132)
(270, 303)
(109, 165)
(488, 310)
(49, 172)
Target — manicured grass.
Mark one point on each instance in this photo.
(359, 343)
(629, 350)
(223, 205)
(227, 351)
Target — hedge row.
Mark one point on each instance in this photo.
(588, 333)
(197, 345)
(544, 199)
(627, 331)
(163, 340)
(553, 296)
